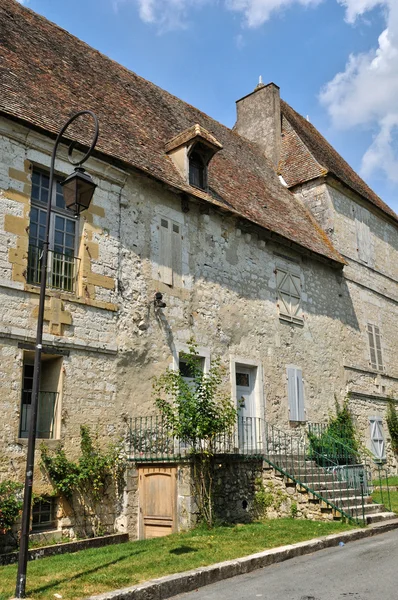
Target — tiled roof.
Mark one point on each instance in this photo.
(47, 74)
(306, 155)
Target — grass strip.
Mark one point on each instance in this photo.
(88, 572)
(383, 499)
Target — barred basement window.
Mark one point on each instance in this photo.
(376, 358)
(62, 261)
(43, 513)
(289, 295)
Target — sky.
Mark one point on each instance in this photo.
(335, 61)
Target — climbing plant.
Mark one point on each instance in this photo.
(10, 504)
(86, 480)
(338, 442)
(392, 424)
(198, 413)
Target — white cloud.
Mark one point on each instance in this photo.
(167, 14)
(256, 12)
(366, 92)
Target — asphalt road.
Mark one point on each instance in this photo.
(362, 570)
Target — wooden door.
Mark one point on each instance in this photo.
(157, 494)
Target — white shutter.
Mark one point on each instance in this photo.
(295, 392)
(165, 252)
(377, 437)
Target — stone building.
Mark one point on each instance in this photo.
(268, 249)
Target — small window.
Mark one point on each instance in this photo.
(197, 170)
(295, 391)
(186, 369)
(242, 379)
(377, 437)
(43, 513)
(374, 337)
(289, 295)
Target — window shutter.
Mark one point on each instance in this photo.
(176, 251)
(377, 437)
(363, 234)
(376, 357)
(292, 393)
(300, 395)
(295, 392)
(165, 252)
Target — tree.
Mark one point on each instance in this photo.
(198, 413)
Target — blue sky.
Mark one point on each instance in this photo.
(334, 60)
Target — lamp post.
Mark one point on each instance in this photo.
(78, 189)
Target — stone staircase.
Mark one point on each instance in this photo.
(332, 489)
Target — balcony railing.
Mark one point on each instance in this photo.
(151, 439)
(62, 269)
(46, 413)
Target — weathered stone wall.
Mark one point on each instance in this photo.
(114, 341)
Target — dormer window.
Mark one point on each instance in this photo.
(197, 170)
(191, 151)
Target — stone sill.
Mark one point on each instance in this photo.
(69, 297)
(50, 442)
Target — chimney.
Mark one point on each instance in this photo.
(259, 119)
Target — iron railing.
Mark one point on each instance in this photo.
(62, 269)
(329, 470)
(46, 413)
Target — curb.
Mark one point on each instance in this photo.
(171, 585)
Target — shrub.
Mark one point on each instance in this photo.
(10, 504)
(392, 424)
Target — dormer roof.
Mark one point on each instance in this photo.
(194, 134)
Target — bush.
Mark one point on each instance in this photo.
(337, 443)
(392, 424)
(10, 504)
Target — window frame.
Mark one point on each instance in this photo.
(36, 242)
(46, 525)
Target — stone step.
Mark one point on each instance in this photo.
(342, 493)
(381, 516)
(368, 509)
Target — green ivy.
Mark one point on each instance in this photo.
(86, 480)
(10, 504)
(392, 424)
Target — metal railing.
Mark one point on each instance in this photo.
(46, 414)
(328, 469)
(62, 269)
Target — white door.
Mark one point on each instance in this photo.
(248, 422)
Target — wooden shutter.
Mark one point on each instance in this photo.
(377, 437)
(165, 252)
(376, 357)
(363, 234)
(176, 252)
(295, 390)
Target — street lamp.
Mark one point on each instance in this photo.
(78, 189)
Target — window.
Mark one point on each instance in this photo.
(186, 369)
(289, 295)
(376, 358)
(295, 391)
(43, 513)
(170, 252)
(48, 400)
(62, 263)
(377, 437)
(197, 170)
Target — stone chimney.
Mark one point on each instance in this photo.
(259, 119)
